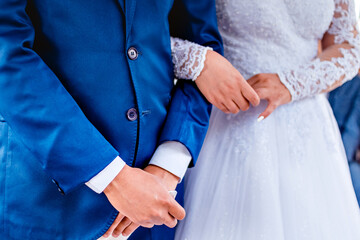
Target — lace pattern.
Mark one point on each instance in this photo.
(188, 58)
(317, 76)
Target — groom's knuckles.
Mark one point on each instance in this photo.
(156, 216)
(144, 218)
(165, 199)
(148, 225)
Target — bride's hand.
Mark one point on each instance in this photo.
(269, 87)
(223, 86)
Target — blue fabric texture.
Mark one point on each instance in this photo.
(345, 102)
(66, 84)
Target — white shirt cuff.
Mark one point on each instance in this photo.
(105, 177)
(173, 157)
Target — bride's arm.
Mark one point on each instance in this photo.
(217, 79)
(188, 58)
(339, 61)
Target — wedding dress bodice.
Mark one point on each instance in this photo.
(282, 36)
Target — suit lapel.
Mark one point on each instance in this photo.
(130, 6)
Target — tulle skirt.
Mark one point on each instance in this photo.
(285, 178)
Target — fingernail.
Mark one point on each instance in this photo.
(124, 234)
(260, 118)
(115, 235)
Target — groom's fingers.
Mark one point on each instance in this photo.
(170, 221)
(251, 95)
(130, 229)
(176, 210)
(121, 226)
(223, 108)
(232, 106)
(117, 220)
(241, 102)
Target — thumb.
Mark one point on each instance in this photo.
(176, 210)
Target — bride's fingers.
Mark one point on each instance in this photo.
(269, 109)
(121, 226)
(253, 80)
(130, 229)
(114, 225)
(260, 84)
(263, 93)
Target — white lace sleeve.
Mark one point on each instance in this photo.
(188, 58)
(319, 75)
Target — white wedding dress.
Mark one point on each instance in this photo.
(285, 178)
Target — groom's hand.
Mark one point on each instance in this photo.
(143, 198)
(123, 225)
(224, 86)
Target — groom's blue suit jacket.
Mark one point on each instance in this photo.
(66, 86)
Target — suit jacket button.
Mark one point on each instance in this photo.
(132, 114)
(133, 53)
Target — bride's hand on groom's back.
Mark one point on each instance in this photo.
(223, 86)
(269, 87)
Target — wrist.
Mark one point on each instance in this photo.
(209, 56)
(118, 180)
(167, 178)
(205, 54)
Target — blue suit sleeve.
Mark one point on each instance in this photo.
(40, 111)
(189, 112)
